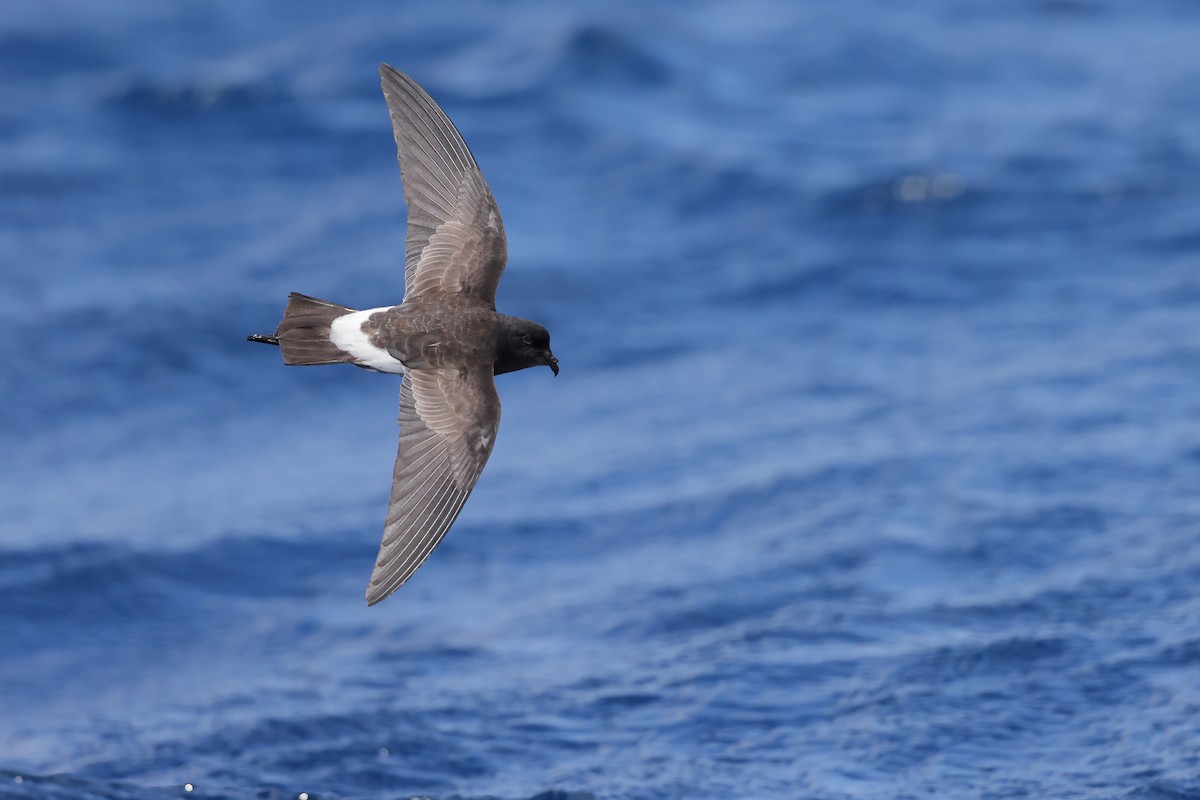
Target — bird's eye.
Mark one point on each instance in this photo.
(527, 339)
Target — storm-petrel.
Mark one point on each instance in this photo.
(446, 338)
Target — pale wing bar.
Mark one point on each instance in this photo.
(467, 253)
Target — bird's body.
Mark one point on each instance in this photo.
(446, 338)
(447, 332)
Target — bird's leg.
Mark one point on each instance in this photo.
(263, 338)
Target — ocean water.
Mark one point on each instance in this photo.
(873, 470)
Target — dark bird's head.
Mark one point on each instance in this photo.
(523, 344)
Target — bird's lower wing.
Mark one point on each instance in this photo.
(448, 423)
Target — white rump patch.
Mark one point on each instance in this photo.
(346, 332)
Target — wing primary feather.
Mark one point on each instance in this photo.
(406, 560)
(429, 119)
(430, 135)
(432, 113)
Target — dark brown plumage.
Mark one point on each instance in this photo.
(446, 338)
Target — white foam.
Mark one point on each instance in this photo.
(346, 332)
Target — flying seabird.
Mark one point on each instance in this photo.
(446, 339)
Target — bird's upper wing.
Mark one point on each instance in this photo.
(456, 238)
(448, 423)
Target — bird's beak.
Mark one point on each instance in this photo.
(552, 363)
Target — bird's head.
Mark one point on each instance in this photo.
(525, 344)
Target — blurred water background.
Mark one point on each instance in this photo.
(873, 470)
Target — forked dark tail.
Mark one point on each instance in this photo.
(303, 334)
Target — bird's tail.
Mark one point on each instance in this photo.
(303, 334)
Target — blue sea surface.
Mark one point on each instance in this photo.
(873, 470)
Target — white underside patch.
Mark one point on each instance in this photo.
(346, 332)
